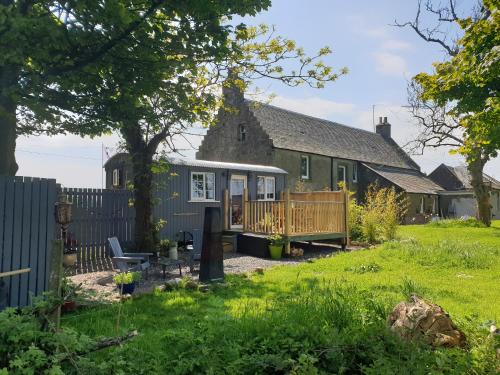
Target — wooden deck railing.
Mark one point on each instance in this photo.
(315, 213)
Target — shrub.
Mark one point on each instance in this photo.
(355, 218)
(127, 278)
(383, 210)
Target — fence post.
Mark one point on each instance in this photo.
(226, 209)
(245, 209)
(55, 276)
(346, 217)
(287, 220)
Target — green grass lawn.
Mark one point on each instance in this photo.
(326, 316)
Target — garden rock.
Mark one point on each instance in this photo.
(420, 319)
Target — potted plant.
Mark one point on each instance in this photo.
(126, 281)
(163, 247)
(172, 250)
(276, 243)
(68, 294)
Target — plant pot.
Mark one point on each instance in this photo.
(69, 306)
(69, 259)
(127, 288)
(275, 251)
(172, 253)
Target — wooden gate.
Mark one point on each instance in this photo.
(27, 229)
(97, 215)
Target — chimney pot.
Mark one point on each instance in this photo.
(383, 128)
(380, 120)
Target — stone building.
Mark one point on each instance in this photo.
(317, 154)
(457, 199)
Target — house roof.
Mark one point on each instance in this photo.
(411, 181)
(225, 165)
(295, 131)
(209, 164)
(462, 174)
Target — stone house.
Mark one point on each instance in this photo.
(316, 153)
(457, 199)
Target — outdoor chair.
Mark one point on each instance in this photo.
(128, 261)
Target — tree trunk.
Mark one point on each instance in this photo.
(142, 160)
(143, 203)
(481, 190)
(8, 165)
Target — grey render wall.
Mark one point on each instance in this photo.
(323, 170)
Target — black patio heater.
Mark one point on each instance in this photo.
(212, 262)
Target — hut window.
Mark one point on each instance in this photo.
(116, 177)
(305, 167)
(355, 172)
(202, 186)
(242, 133)
(341, 175)
(266, 188)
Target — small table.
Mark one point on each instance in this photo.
(166, 261)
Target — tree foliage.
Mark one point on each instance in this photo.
(457, 105)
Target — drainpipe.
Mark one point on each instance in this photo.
(331, 174)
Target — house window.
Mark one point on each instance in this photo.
(305, 167)
(355, 172)
(341, 175)
(266, 188)
(202, 186)
(116, 177)
(242, 133)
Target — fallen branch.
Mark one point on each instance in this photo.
(112, 341)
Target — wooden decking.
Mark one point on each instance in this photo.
(299, 216)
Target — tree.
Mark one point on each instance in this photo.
(458, 104)
(176, 93)
(47, 48)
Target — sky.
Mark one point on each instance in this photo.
(381, 59)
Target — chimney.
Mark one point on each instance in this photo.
(383, 128)
(231, 92)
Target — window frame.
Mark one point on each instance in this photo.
(205, 190)
(355, 172)
(266, 193)
(242, 133)
(344, 168)
(307, 176)
(115, 180)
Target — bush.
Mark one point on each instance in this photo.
(355, 218)
(383, 210)
(30, 344)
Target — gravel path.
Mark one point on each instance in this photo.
(100, 285)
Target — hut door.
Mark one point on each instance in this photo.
(238, 184)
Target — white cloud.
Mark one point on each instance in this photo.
(389, 63)
(313, 106)
(396, 45)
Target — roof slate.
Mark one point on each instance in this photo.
(411, 181)
(464, 177)
(295, 131)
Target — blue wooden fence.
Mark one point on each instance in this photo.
(97, 215)
(27, 228)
